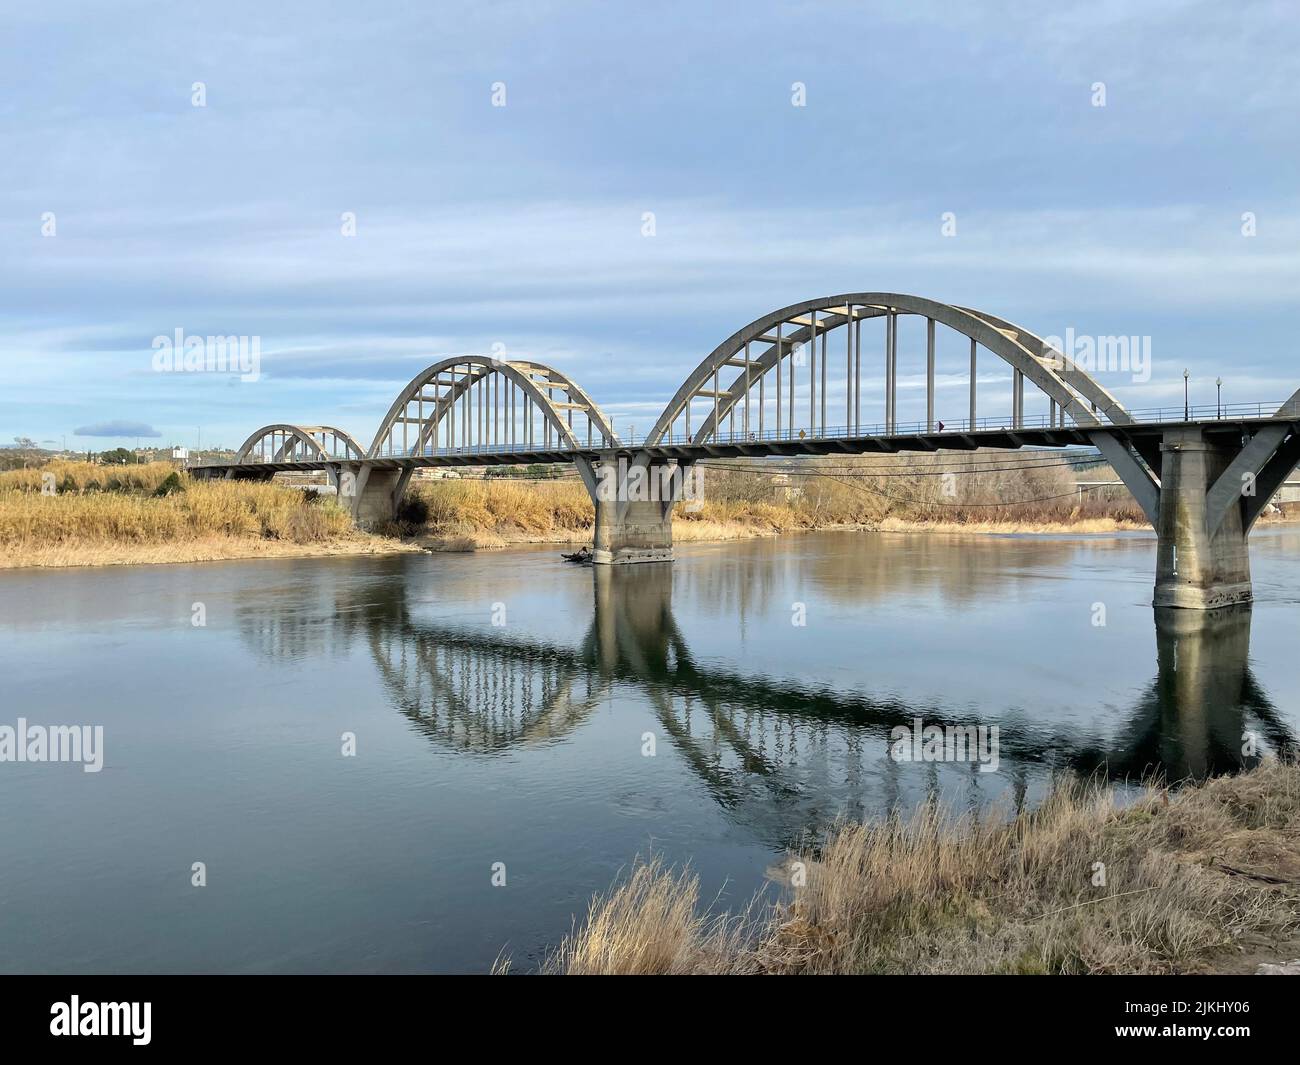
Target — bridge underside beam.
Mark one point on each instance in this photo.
(1267, 459)
(1271, 477)
(1136, 477)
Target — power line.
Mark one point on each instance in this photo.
(867, 472)
(1015, 460)
(936, 503)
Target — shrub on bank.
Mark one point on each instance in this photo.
(170, 485)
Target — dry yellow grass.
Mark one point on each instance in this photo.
(84, 476)
(492, 512)
(104, 515)
(110, 514)
(505, 507)
(225, 508)
(1188, 876)
(650, 924)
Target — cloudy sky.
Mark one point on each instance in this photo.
(127, 213)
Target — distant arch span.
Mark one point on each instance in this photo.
(282, 442)
(467, 408)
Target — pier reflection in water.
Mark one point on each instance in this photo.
(780, 752)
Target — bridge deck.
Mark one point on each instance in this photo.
(752, 446)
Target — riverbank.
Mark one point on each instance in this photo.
(1202, 879)
(468, 515)
(151, 514)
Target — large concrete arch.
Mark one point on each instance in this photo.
(1071, 388)
(536, 380)
(290, 435)
(1083, 383)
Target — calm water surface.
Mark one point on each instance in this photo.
(521, 742)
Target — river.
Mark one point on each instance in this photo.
(360, 750)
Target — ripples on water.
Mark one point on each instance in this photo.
(522, 742)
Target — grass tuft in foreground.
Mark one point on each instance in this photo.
(651, 924)
(1188, 875)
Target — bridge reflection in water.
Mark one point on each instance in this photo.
(779, 754)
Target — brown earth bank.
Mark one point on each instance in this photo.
(202, 549)
(1204, 878)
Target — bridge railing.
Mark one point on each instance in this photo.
(1207, 412)
(1197, 413)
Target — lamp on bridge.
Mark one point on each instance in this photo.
(1218, 397)
(1187, 410)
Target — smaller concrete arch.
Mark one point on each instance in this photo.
(281, 441)
(495, 420)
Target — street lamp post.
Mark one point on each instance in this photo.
(1187, 410)
(1218, 397)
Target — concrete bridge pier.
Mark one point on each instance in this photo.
(372, 494)
(1202, 488)
(1198, 566)
(634, 498)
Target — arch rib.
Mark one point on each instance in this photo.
(1073, 389)
(1084, 383)
(301, 434)
(535, 380)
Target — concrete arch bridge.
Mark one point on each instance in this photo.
(793, 383)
